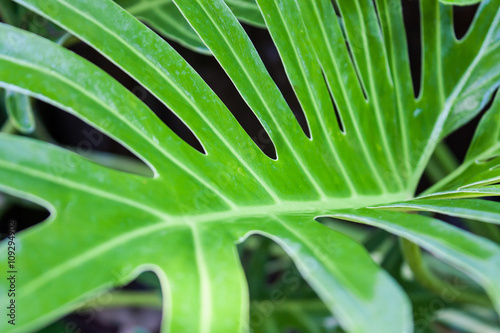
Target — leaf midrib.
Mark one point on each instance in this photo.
(304, 206)
(311, 208)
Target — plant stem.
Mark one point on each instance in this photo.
(149, 299)
(427, 279)
(257, 268)
(152, 299)
(8, 127)
(464, 321)
(442, 163)
(41, 131)
(375, 238)
(307, 305)
(446, 158)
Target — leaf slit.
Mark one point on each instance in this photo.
(334, 105)
(377, 15)
(70, 132)
(272, 61)
(463, 17)
(356, 69)
(413, 30)
(157, 107)
(23, 213)
(349, 49)
(212, 73)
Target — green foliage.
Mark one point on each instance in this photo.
(165, 17)
(19, 111)
(184, 222)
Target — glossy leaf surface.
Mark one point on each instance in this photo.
(184, 222)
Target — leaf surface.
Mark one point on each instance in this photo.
(370, 139)
(476, 209)
(481, 164)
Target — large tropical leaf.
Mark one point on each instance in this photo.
(183, 223)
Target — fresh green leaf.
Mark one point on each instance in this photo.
(481, 163)
(316, 252)
(480, 70)
(183, 223)
(102, 109)
(469, 192)
(476, 256)
(486, 142)
(476, 209)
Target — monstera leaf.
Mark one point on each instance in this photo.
(370, 140)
